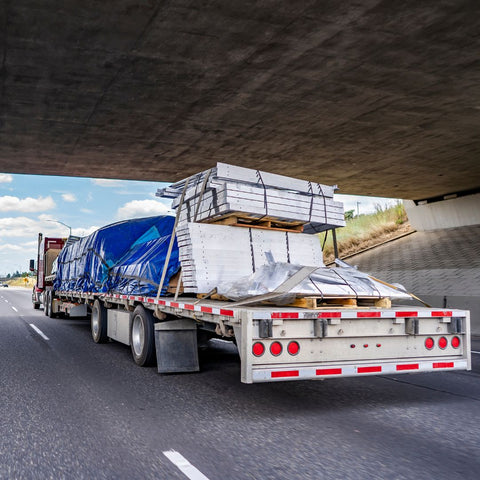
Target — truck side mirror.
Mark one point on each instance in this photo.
(32, 265)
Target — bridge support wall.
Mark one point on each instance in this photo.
(450, 213)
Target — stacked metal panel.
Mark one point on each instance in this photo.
(234, 190)
(214, 255)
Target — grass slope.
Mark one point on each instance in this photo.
(365, 231)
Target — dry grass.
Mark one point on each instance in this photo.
(20, 282)
(365, 231)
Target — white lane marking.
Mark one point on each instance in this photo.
(184, 465)
(13, 308)
(6, 301)
(478, 353)
(39, 332)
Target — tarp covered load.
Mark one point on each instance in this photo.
(324, 282)
(125, 257)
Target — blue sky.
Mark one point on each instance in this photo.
(30, 204)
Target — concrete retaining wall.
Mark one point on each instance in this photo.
(456, 212)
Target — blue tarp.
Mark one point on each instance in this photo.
(125, 257)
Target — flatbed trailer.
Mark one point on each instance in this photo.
(240, 237)
(278, 343)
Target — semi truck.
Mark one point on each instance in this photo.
(291, 317)
(48, 250)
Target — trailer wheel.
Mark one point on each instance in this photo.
(142, 337)
(98, 322)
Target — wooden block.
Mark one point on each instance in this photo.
(383, 303)
(306, 302)
(172, 284)
(313, 303)
(215, 296)
(230, 220)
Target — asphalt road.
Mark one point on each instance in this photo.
(74, 409)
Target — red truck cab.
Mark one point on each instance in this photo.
(48, 250)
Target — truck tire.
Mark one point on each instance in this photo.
(98, 322)
(142, 337)
(46, 303)
(36, 305)
(51, 314)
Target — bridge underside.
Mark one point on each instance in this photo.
(380, 97)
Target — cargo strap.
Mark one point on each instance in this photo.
(202, 191)
(172, 240)
(265, 199)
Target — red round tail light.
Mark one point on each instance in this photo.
(442, 343)
(455, 342)
(429, 343)
(258, 349)
(293, 348)
(276, 349)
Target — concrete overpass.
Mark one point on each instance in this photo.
(380, 97)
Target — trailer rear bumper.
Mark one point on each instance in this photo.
(322, 371)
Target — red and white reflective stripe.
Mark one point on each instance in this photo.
(179, 305)
(348, 314)
(164, 303)
(305, 373)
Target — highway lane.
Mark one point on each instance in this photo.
(74, 409)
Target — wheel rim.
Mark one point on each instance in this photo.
(95, 322)
(138, 335)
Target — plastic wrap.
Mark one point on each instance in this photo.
(125, 257)
(323, 282)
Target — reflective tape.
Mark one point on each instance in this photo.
(262, 374)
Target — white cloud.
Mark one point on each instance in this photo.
(28, 228)
(5, 178)
(28, 204)
(83, 232)
(46, 217)
(32, 244)
(142, 208)
(69, 197)
(11, 247)
(20, 227)
(107, 182)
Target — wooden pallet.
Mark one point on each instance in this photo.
(313, 303)
(267, 223)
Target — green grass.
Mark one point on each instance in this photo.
(365, 230)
